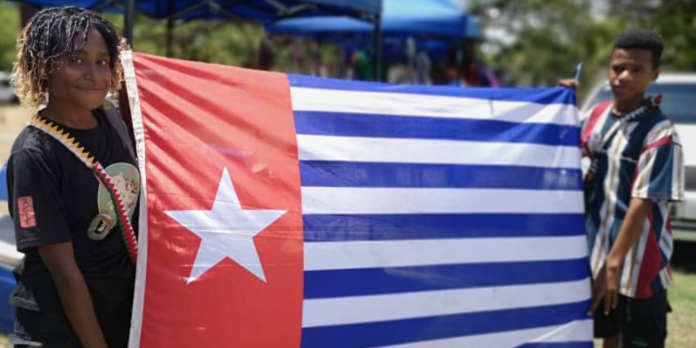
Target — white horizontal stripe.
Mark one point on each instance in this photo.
(404, 253)
(369, 309)
(351, 200)
(409, 104)
(390, 150)
(576, 331)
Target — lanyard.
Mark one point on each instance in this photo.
(101, 175)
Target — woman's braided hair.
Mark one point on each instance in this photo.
(48, 39)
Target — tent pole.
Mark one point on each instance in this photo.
(170, 28)
(128, 15)
(377, 40)
(170, 37)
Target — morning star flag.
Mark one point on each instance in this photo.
(283, 211)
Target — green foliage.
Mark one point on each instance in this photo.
(551, 36)
(542, 40)
(222, 42)
(9, 31)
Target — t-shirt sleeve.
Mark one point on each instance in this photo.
(36, 206)
(660, 168)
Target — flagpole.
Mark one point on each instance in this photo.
(377, 41)
(128, 21)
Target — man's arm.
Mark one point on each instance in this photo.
(629, 234)
(73, 293)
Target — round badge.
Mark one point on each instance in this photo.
(100, 227)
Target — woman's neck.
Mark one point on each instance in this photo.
(77, 118)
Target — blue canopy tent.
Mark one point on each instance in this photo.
(262, 10)
(436, 25)
(367, 12)
(438, 18)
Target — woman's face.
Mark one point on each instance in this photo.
(83, 78)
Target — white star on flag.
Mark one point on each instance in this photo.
(226, 230)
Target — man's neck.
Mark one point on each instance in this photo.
(68, 116)
(622, 107)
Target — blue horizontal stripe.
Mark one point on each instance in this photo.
(587, 344)
(370, 174)
(377, 281)
(332, 228)
(366, 125)
(431, 328)
(555, 95)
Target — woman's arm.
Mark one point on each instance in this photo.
(73, 293)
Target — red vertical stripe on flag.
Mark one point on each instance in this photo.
(199, 121)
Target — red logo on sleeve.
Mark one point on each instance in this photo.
(27, 217)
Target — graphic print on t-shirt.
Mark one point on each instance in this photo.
(127, 182)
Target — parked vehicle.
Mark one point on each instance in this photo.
(678, 91)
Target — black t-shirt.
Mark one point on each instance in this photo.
(54, 199)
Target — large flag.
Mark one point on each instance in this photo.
(283, 211)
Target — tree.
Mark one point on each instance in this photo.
(542, 40)
(9, 32)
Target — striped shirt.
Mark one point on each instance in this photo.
(641, 159)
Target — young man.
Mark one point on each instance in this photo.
(637, 170)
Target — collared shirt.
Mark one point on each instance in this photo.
(641, 159)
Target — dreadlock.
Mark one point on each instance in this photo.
(48, 38)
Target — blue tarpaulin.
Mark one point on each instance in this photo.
(3, 182)
(438, 18)
(7, 312)
(262, 10)
(7, 281)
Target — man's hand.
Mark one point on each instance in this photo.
(606, 288)
(599, 290)
(611, 298)
(569, 83)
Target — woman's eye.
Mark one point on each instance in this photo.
(103, 62)
(77, 60)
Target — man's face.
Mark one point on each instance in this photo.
(83, 78)
(630, 73)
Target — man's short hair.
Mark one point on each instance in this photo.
(642, 39)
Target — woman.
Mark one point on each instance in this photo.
(76, 281)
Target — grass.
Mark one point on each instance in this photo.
(682, 295)
(682, 322)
